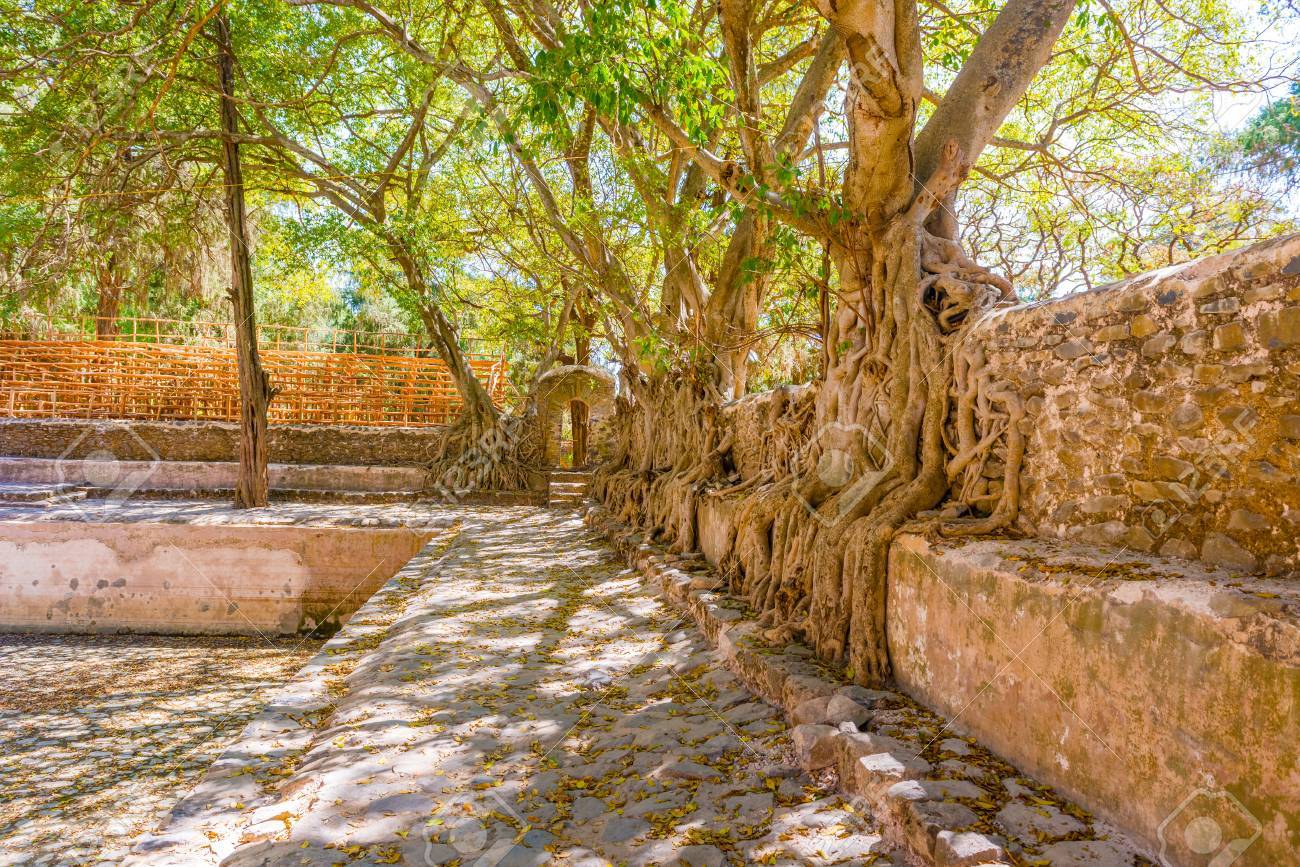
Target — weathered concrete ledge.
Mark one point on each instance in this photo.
(207, 475)
(941, 799)
(125, 479)
(203, 827)
(244, 579)
(1153, 691)
(214, 441)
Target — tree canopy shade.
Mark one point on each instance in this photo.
(711, 197)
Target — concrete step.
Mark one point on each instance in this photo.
(567, 488)
(15, 492)
(571, 474)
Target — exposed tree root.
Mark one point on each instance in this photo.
(485, 452)
(819, 481)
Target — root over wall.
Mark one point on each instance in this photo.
(1157, 414)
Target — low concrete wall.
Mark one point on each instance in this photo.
(129, 476)
(75, 576)
(1157, 693)
(1154, 694)
(142, 440)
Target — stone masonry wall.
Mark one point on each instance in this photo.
(1164, 410)
(142, 440)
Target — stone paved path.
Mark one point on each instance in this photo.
(99, 735)
(516, 698)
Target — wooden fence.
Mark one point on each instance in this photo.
(180, 332)
(119, 378)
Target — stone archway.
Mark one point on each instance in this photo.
(560, 387)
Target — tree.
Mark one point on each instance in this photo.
(723, 196)
(1271, 141)
(255, 391)
(908, 397)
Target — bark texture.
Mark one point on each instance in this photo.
(255, 392)
(905, 416)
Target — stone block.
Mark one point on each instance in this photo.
(1149, 401)
(1208, 372)
(1072, 349)
(1221, 305)
(1195, 342)
(1111, 332)
(1171, 468)
(811, 710)
(875, 773)
(1224, 551)
(814, 746)
(1187, 416)
(1158, 345)
(965, 849)
(841, 708)
(800, 688)
(1143, 326)
(1229, 337)
(1279, 328)
(1247, 521)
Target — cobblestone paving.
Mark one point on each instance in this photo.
(100, 735)
(518, 698)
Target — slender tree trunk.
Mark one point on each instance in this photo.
(255, 391)
(579, 416)
(579, 412)
(110, 300)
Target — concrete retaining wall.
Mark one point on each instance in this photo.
(76, 576)
(1155, 692)
(1160, 697)
(142, 440)
(126, 477)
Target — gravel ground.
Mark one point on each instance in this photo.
(101, 735)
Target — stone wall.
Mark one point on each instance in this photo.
(141, 440)
(1164, 411)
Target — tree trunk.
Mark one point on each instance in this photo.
(110, 300)
(255, 393)
(579, 412)
(579, 416)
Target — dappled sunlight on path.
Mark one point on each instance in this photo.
(516, 697)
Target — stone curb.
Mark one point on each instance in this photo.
(917, 812)
(880, 770)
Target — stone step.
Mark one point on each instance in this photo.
(567, 500)
(13, 492)
(568, 488)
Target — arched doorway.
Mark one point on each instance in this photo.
(572, 402)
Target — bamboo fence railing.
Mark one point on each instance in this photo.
(166, 378)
